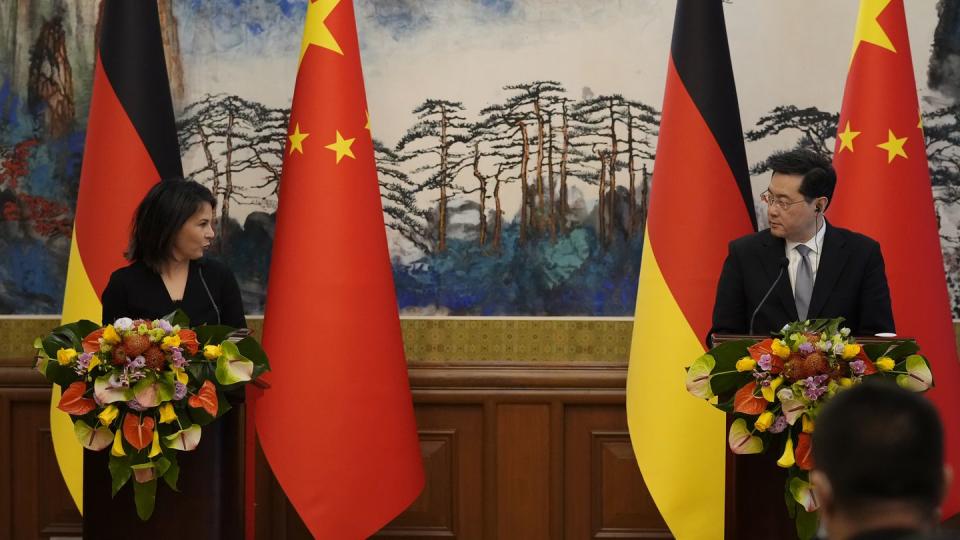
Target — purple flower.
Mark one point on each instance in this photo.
(83, 361)
(762, 377)
(814, 387)
(164, 325)
(766, 362)
(857, 367)
(176, 358)
(779, 424)
(179, 390)
(135, 405)
(806, 348)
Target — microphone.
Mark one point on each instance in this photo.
(783, 263)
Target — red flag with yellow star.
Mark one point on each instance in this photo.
(883, 190)
(337, 424)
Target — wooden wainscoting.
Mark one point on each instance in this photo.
(510, 451)
(514, 451)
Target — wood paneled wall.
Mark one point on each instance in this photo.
(510, 451)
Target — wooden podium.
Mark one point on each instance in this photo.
(210, 501)
(755, 492)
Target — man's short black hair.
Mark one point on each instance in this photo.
(878, 442)
(819, 177)
(159, 217)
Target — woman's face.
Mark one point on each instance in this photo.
(195, 236)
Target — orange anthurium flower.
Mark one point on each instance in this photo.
(73, 402)
(188, 340)
(91, 343)
(744, 401)
(138, 432)
(804, 451)
(205, 398)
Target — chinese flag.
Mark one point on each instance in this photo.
(131, 144)
(883, 190)
(700, 170)
(337, 424)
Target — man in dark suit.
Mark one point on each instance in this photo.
(824, 271)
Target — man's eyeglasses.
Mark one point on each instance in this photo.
(782, 204)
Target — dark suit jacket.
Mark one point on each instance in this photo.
(850, 283)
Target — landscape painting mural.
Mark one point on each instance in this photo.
(515, 139)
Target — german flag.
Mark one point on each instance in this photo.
(131, 143)
(700, 199)
(883, 190)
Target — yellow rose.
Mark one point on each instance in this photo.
(770, 391)
(211, 352)
(110, 335)
(746, 364)
(846, 382)
(167, 414)
(884, 363)
(780, 348)
(807, 424)
(786, 460)
(65, 356)
(849, 351)
(169, 342)
(155, 448)
(117, 449)
(764, 421)
(108, 415)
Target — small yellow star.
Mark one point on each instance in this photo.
(315, 31)
(893, 146)
(869, 29)
(846, 138)
(296, 139)
(341, 147)
(367, 127)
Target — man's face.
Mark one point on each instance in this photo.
(797, 220)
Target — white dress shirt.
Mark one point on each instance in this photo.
(816, 246)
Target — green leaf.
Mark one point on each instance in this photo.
(172, 473)
(185, 440)
(178, 318)
(894, 349)
(250, 348)
(808, 523)
(120, 472)
(215, 333)
(94, 439)
(918, 377)
(698, 377)
(233, 367)
(161, 464)
(62, 375)
(742, 440)
(145, 496)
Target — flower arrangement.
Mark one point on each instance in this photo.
(777, 386)
(145, 389)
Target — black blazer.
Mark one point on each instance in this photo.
(851, 283)
(138, 292)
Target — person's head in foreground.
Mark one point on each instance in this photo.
(879, 469)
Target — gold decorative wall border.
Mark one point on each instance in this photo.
(438, 340)
(435, 340)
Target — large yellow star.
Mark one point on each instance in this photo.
(341, 147)
(893, 146)
(868, 29)
(846, 138)
(315, 31)
(296, 139)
